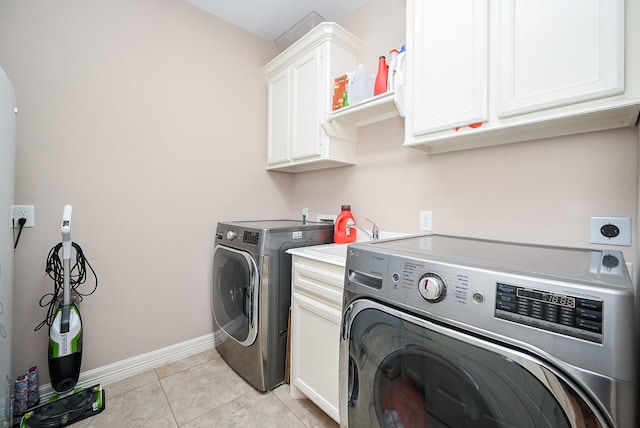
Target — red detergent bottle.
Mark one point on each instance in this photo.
(340, 235)
(380, 85)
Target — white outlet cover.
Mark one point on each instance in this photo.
(18, 211)
(426, 221)
(329, 218)
(622, 223)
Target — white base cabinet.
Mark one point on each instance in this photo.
(487, 72)
(300, 92)
(315, 332)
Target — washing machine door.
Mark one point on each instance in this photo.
(234, 295)
(398, 370)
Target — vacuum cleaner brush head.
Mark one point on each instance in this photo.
(66, 410)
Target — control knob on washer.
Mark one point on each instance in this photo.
(231, 235)
(432, 287)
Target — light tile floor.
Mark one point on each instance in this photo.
(201, 391)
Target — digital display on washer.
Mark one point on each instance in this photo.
(557, 299)
(251, 237)
(560, 313)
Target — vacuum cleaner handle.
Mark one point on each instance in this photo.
(66, 266)
(66, 232)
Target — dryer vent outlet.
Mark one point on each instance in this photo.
(610, 231)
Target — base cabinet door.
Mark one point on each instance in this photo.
(316, 313)
(315, 354)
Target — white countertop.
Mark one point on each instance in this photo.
(335, 254)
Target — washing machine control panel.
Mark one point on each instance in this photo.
(251, 237)
(560, 313)
(239, 237)
(432, 287)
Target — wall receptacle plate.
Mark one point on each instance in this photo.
(22, 211)
(610, 231)
(326, 218)
(426, 221)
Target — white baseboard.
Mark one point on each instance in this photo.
(138, 364)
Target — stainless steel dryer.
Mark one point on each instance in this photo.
(251, 293)
(442, 331)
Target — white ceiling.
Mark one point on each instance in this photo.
(268, 19)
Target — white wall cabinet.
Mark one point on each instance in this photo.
(300, 91)
(449, 84)
(315, 332)
(518, 70)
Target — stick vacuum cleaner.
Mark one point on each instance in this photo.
(65, 342)
(65, 334)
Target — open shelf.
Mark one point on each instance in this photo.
(374, 109)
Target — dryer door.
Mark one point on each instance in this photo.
(234, 294)
(397, 370)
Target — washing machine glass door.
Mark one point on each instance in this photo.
(234, 295)
(404, 371)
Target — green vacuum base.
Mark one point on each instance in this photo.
(67, 410)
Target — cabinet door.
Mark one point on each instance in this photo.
(447, 54)
(553, 53)
(315, 347)
(306, 104)
(278, 118)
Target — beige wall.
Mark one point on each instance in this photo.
(128, 112)
(149, 117)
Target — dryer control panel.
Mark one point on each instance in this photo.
(569, 315)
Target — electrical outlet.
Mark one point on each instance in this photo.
(610, 231)
(426, 220)
(326, 218)
(22, 211)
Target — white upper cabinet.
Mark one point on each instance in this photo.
(553, 53)
(278, 116)
(487, 72)
(307, 106)
(452, 69)
(300, 91)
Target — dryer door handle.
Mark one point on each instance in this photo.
(247, 304)
(346, 323)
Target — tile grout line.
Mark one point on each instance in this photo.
(167, 399)
(178, 373)
(290, 409)
(285, 404)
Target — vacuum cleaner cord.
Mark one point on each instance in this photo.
(77, 277)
